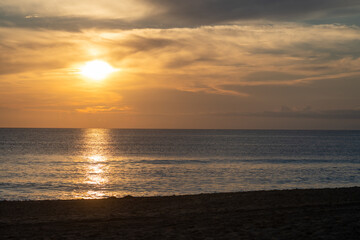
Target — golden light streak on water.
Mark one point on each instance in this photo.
(96, 158)
(96, 175)
(96, 169)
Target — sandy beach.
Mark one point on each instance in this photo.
(286, 214)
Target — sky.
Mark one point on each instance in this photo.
(229, 64)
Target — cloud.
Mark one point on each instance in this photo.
(215, 56)
(147, 43)
(308, 113)
(184, 71)
(263, 76)
(217, 60)
(38, 51)
(129, 9)
(305, 113)
(103, 109)
(64, 23)
(209, 12)
(111, 14)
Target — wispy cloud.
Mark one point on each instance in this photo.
(213, 58)
(103, 109)
(286, 112)
(308, 113)
(178, 58)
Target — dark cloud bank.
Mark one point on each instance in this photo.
(306, 113)
(217, 11)
(192, 13)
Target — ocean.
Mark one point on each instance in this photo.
(41, 164)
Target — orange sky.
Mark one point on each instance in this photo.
(203, 64)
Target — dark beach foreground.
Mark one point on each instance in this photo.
(286, 214)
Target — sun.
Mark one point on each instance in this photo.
(97, 70)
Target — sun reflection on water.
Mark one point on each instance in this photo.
(96, 158)
(96, 169)
(96, 174)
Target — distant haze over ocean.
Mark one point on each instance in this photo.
(97, 163)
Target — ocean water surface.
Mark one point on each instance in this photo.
(98, 163)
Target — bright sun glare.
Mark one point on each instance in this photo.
(97, 70)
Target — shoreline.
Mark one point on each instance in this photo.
(331, 213)
(179, 195)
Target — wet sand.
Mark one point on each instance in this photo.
(286, 214)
